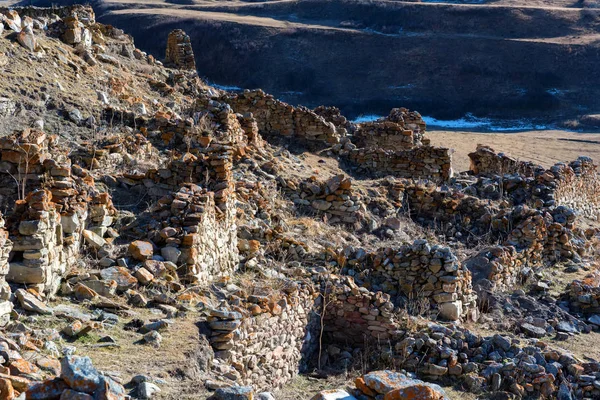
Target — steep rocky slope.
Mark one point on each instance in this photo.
(508, 60)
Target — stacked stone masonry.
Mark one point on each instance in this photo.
(267, 337)
(275, 118)
(333, 198)
(424, 162)
(416, 272)
(525, 182)
(179, 50)
(194, 234)
(60, 210)
(401, 130)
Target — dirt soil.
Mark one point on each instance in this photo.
(544, 147)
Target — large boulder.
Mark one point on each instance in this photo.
(396, 386)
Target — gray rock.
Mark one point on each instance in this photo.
(265, 396)
(234, 393)
(30, 303)
(533, 331)
(565, 326)
(80, 374)
(146, 390)
(75, 116)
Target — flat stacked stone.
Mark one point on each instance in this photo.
(179, 50)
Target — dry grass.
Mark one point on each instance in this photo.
(171, 362)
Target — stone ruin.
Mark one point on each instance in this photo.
(61, 209)
(401, 130)
(263, 333)
(431, 275)
(333, 198)
(179, 51)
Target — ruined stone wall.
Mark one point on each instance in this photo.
(584, 295)
(424, 162)
(333, 198)
(501, 265)
(385, 135)
(179, 50)
(5, 292)
(355, 316)
(48, 225)
(195, 235)
(276, 118)
(572, 184)
(401, 129)
(485, 161)
(452, 212)
(270, 337)
(417, 271)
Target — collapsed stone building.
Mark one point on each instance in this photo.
(205, 168)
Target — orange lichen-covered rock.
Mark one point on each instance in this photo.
(22, 367)
(141, 250)
(362, 386)
(7, 391)
(417, 392)
(396, 386)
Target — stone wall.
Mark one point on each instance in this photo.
(62, 207)
(195, 234)
(333, 198)
(425, 162)
(276, 118)
(584, 295)
(269, 337)
(414, 273)
(500, 265)
(5, 292)
(401, 130)
(355, 316)
(485, 161)
(179, 50)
